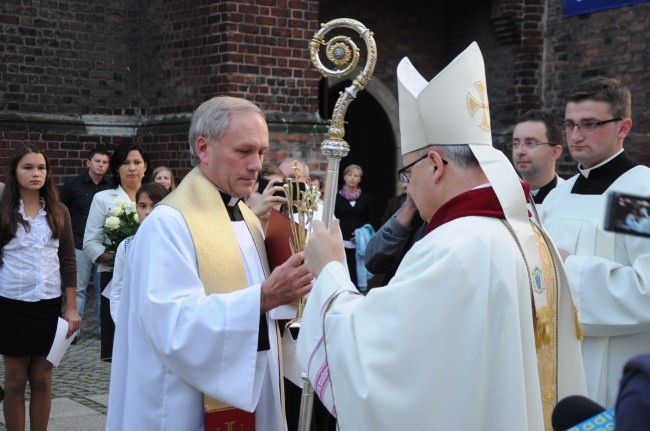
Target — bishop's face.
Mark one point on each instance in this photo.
(420, 182)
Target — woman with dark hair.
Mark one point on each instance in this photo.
(129, 166)
(37, 264)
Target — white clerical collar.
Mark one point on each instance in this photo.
(230, 201)
(482, 186)
(585, 172)
(534, 192)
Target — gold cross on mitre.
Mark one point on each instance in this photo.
(474, 104)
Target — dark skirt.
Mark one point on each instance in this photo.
(28, 328)
(108, 326)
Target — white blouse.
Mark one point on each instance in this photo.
(30, 270)
(94, 237)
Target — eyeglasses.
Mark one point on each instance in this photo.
(585, 126)
(529, 144)
(404, 174)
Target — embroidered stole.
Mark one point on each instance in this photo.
(548, 348)
(547, 352)
(221, 268)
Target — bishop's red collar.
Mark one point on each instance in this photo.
(476, 202)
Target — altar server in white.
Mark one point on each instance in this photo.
(609, 273)
(196, 346)
(449, 343)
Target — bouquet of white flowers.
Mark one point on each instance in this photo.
(121, 222)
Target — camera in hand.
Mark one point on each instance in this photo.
(297, 188)
(628, 214)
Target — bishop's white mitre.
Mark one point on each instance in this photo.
(453, 109)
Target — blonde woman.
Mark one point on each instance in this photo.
(353, 208)
(163, 175)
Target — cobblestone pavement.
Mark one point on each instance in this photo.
(80, 383)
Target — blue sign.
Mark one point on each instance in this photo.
(580, 7)
(602, 422)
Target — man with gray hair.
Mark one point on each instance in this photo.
(196, 346)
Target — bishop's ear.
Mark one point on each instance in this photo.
(438, 165)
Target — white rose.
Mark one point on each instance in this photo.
(115, 211)
(120, 203)
(130, 208)
(112, 223)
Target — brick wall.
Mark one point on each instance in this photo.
(611, 43)
(69, 57)
(101, 71)
(256, 49)
(88, 72)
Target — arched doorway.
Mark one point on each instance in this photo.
(371, 136)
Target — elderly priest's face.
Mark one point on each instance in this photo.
(233, 161)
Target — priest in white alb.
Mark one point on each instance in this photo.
(608, 272)
(450, 342)
(197, 341)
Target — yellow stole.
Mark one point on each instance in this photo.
(221, 268)
(547, 351)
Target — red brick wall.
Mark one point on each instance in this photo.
(144, 66)
(150, 63)
(255, 49)
(611, 43)
(69, 57)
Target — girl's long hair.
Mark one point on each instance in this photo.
(9, 202)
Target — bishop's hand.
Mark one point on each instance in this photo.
(324, 246)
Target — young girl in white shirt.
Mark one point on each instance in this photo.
(146, 199)
(37, 264)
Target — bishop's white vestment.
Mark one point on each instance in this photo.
(609, 277)
(174, 343)
(448, 344)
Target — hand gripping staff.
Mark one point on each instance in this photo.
(343, 55)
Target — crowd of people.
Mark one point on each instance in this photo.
(502, 292)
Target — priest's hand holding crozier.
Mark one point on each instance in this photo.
(324, 246)
(287, 283)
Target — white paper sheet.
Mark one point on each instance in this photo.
(60, 344)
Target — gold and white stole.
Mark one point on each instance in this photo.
(221, 268)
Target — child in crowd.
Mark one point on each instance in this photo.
(37, 264)
(146, 198)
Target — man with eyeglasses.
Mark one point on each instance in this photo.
(449, 343)
(608, 273)
(536, 146)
